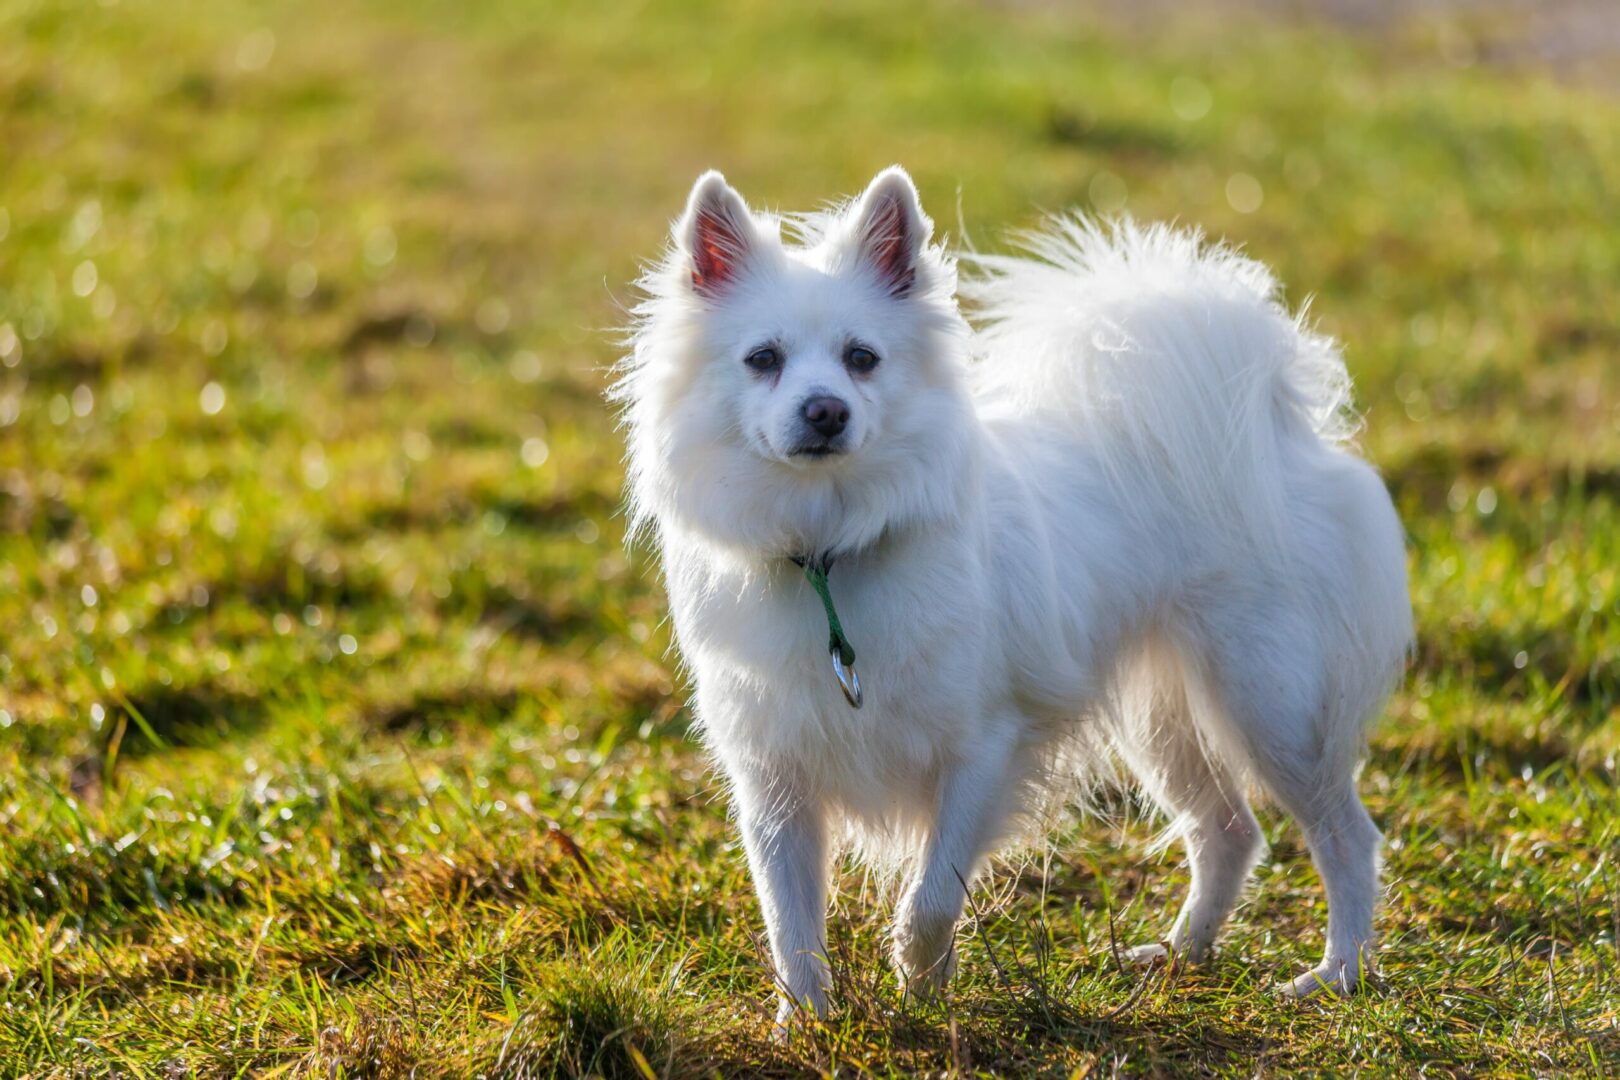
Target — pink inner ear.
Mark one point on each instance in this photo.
(716, 251)
(887, 245)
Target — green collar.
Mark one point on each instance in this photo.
(843, 653)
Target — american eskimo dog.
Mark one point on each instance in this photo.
(925, 567)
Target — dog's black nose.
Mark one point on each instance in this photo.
(827, 415)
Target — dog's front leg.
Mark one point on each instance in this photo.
(971, 806)
(785, 833)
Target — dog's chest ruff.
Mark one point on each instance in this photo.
(759, 646)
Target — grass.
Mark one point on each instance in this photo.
(339, 734)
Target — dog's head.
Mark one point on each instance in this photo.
(788, 397)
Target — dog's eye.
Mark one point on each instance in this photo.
(860, 358)
(766, 359)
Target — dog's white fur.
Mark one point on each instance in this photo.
(1118, 513)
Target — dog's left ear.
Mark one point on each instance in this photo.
(891, 229)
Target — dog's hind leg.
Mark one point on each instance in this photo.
(1207, 812)
(1344, 845)
(1299, 720)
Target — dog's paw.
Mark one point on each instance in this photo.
(924, 952)
(1335, 979)
(926, 981)
(792, 1016)
(1152, 954)
(925, 973)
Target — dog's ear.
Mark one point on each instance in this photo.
(716, 232)
(891, 229)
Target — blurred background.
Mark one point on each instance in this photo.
(338, 728)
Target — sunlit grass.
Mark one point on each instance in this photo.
(339, 732)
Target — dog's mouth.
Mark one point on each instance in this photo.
(817, 450)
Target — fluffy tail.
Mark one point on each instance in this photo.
(1178, 355)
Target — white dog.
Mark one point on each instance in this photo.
(1115, 517)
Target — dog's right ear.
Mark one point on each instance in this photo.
(716, 232)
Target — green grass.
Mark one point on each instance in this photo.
(340, 733)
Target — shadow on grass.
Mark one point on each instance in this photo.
(280, 583)
(200, 963)
(536, 618)
(597, 1023)
(1490, 658)
(1069, 127)
(285, 584)
(107, 886)
(1423, 480)
(1500, 753)
(444, 710)
(461, 509)
(46, 518)
(197, 715)
(59, 365)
